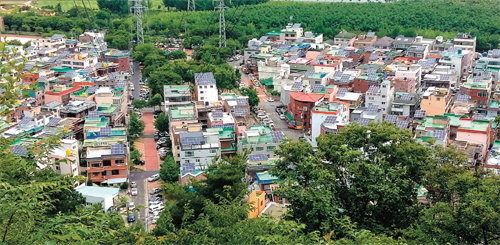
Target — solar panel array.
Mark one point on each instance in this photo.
(391, 118)
(419, 114)
(372, 77)
(91, 90)
(341, 92)
(406, 97)
(444, 77)
(19, 150)
(258, 157)
(205, 78)
(402, 124)
(363, 121)
(345, 78)
(118, 149)
(240, 112)
(370, 34)
(463, 98)
(495, 53)
(93, 114)
(297, 85)
(25, 120)
(192, 141)
(309, 73)
(263, 38)
(188, 167)
(371, 71)
(277, 136)
(318, 88)
(419, 48)
(479, 117)
(120, 84)
(369, 49)
(294, 49)
(372, 108)
(373, 89)
(477, 79)
(217, 114)
(105, 131)
(296, 25)
(293, 57)
(241, 101)
(373, 56)
(53, 122)
(439, 134)
(337, 75)
(330, 119)
(300, 40)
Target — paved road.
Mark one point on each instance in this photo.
(150, 152)
(281, 125)
(140, 177)
(136, 78)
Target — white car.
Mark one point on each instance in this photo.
(154, 219)
(155, 190)
(270, 99)
(131, 206)
(154, 177)
(154, 203)
(133, 184)
(134, 192)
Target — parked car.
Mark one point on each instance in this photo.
(154, 199)
(154, 177)
(131, 206)
(157, 195)
(155, 219)
(134, 192)
(155, 190)
(131, 217)
(270, 99)
(142, 162)
(133, 184)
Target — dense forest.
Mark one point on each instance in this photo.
(426, 17)
(208, 4)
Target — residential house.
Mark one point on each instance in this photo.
(365, 40)
(401, 42)
(407, 78)
(107, 163)
(205, 89)
(465, 41)
(383, 43)
(198, 150)
(337, 114)
(260, 139)
(381, 96)
(434, 127)
(344, 37)
(176, 95)
(299, 109)
(436, 101)
(405, 104)
(258, 202)
(118, 57)
(106, 196)
(364, 115)
(479, 89)
(292, 32)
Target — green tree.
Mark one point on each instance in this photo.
(135, 155)
(162, 123)
(58, 8)
(139, 104)
(156, 101)
(253, 98)
(169, 171)
(136, 126)
(176, 55)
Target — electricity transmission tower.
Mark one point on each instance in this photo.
(137, 9)
(191, 5)
(221, 6)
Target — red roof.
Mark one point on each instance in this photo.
(65, 92)
(306, 97)
(84, 84)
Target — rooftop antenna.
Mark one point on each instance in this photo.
(221, 6)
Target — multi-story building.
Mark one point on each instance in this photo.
(365, 40)
(407, 78)
(292, 32)
(381, 96)
(260, 139)
(436, 101)
(405, 104)
(465, 41)
(176, 95)
(198, 150)
(107, 161)
(300, 106)
(75, 108)
(337, 114)
(65, 158)
(118, 57)
(479, 89)
(344, 37)
(401, 42)
(237, 105)
(79, 61)
(219, 119)
(383, 43)
(434, 127)
(60, 93)
(205, 89)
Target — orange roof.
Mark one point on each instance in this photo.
(306, 97)
(434, 56)
(65, 92)
(84, 84)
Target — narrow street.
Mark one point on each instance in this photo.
(140, 177)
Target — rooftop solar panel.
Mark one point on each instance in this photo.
(463, 98)
(345, 78)
(363, 121)
(258, 157)
(419, 114)
(373, 89)
(240, 112)
(372, 77)
(477, 79)
(297, 85)
(19, 150)
(53, 122)
(372, 108)
(91, 90)
(330, 119)
(241, 101)
(25, 120)
(118, 149)
(188, 167)
(105, 131)
(318, 88)
(439, 134)
(402, 124)
(369, 49)
(206, 78)
(93, 114)
(406, 97)
(217, 114)
(341, 92)
(277, 136)
(192, 141)
(309, 73)
(337, 75)
(391, 118)
(370, 34)
(444, 77)
(120, 84)
(371, 71)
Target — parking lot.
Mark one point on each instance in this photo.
(280, 124)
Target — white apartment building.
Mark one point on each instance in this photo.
(198, 150)
(205, 87)
(380, 95)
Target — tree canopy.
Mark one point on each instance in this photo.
(162, 123)
(136, 125)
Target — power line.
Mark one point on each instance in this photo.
(221, 6)
(191, 6)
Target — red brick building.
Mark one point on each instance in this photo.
(107, 165)
(300, 107)
(406, 85)
(119, 57)
(361, 84)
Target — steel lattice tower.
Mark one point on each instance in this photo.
(137, 10)
(191, 5)
(221, 6)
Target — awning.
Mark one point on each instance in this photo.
(115, 181)
(289, 117)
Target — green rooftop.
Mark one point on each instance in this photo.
(229, 95)
(224, 133)
(63, 69)
(264, 135)
(182, 112)
(176, 90)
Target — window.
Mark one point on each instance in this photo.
(197, 160)
(189, 153)
(201, 98)
(201, 92)
(383, 103)
(259, 148)
(120, 161)
(213, 151)
(106, 162)
(95, 174)
(482, 94)
(211, 86)
(383, 96)
(270, 148)
(103, 173)
(96, 165)
(115, 172)
(370, 98)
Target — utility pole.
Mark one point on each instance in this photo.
(191, 5)
(137, 9)
(221, 6)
